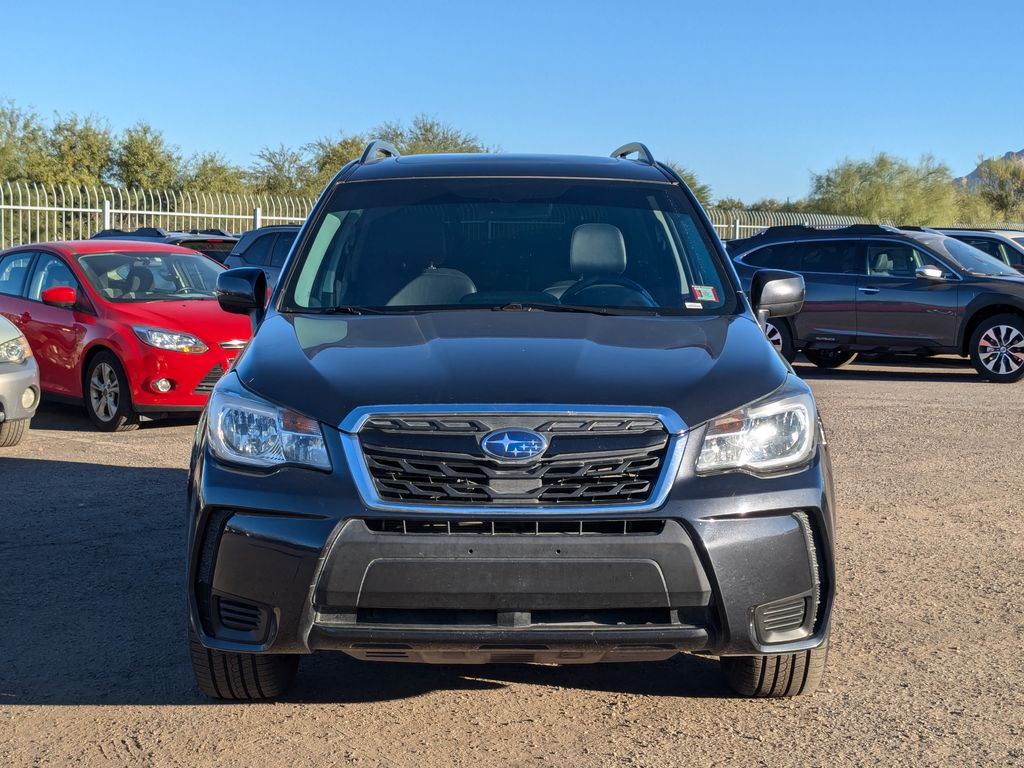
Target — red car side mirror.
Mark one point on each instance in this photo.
(60, 296)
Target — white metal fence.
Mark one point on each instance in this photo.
(37, 212)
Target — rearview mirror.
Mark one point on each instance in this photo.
(928, 272)
(243, 291)
(776, 293)
(60, 296)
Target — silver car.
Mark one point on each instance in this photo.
(19, 384)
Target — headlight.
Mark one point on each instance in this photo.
(772, 434)
(15, 351)
(170, 340)
(247, 430)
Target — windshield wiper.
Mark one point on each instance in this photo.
(528, 306)
(351, 310)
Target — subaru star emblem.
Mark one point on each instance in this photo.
(514, 444)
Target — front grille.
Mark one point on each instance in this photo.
(209, 381)
(516, 527)
(590, 461)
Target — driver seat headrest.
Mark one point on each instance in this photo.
(597, 249)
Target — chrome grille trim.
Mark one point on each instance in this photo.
(464, 413)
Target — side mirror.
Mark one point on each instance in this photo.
(928, 272)
(243, 291)
(60, 296)
(776, 293)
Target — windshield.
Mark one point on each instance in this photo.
(557, 244)
(217, 250)
(972, 260)
(158, 276)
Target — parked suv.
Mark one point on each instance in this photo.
(878, 288)
(266, 248)
(1007, 245)
(215, 243)
(508, 408)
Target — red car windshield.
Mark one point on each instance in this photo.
(151, 276)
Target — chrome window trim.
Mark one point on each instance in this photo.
(360, 472)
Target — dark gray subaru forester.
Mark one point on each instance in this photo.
(509, 408)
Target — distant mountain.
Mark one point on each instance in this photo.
(970, 181)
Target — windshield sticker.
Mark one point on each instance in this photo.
(704, 292)
(693, 305)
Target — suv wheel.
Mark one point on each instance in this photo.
(11, 432)
(779, 335)
(830, 358)
(107, 395)
(776, 677)
(997, 348)
(241, 676)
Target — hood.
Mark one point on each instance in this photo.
(203, 319)
(8, 330)
(324, 366)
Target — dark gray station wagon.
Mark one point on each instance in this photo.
(877, 288)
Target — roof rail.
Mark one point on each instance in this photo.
(378, 147)
(850, 229)
(929, 230)
(141, 231)
(643, 154)
(220, 232)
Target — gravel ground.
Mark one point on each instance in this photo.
(925, 667)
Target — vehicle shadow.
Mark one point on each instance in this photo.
(92, 597)
(65, 417)
(893, 368)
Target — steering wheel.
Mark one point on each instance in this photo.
(633, 294)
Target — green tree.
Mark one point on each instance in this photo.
(328, 155)
(23, 141)
(887, 188)
(280, 170)
(427, 135)
(731, 203)
(78, 152)
(1001, 185)
(210, 172)
(142, 158)
(701, 190)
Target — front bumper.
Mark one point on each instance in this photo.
(291, 561)
(15, 379)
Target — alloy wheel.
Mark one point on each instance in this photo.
(1001, 349)
(774, 336)
(104, 392)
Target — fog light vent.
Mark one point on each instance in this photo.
(244, 617)
(784, 616)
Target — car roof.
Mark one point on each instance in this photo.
(508, 165)
(105, 245)
(1011, 233)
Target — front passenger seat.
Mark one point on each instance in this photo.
(434, 286)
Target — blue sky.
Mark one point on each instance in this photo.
(752, 96)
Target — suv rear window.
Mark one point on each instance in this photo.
(402, 245)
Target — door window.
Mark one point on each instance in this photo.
(899, 260)
(50, 272)
(281, 248)
(837, 257)
(257, 253)
(780, 256)
(14, 271)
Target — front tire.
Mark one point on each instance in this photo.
(781, 337)
(11, 432)
(107, 395)
(830, 358)
(997, 348)
(241, 676)
(776, 677)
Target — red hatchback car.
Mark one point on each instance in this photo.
(129, 328)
